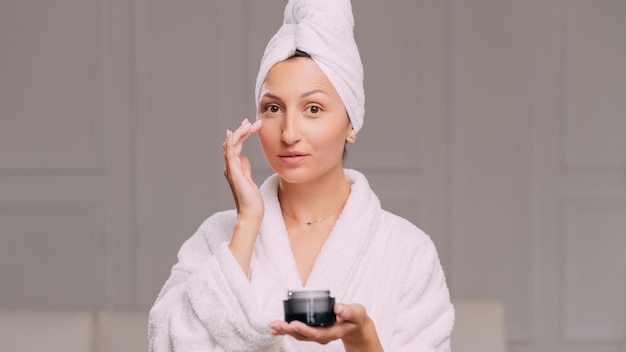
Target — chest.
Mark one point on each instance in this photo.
(306, 242)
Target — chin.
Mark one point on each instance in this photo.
(296, 176)
(303, 175)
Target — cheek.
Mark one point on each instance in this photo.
(329, 141)
(264, 138)
(268, 138)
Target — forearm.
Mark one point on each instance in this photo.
(365, 340)
(242, 243)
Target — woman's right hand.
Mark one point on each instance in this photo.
(247, 196)
(238, 172)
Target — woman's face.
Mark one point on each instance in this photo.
(305, 124)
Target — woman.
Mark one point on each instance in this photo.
(312, 224)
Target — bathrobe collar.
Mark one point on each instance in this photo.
(339, 257)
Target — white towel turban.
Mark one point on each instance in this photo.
(324, 30)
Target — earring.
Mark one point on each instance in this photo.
(351, 139)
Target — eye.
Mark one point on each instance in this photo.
(314, 109)
(272, 108)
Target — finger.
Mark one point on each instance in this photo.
(323, 335)
(231, 151)
(229, 133)
(279, 327)
(245, 131)
(233, 147)
(226, 148)
(256, 126)
(241, 131)
(353, 313)
(235, 164)
(284, 328)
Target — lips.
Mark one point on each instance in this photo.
(292, 157)
(292, 154)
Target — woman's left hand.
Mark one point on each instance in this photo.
(354, 327)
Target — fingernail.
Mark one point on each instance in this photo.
(340, 309)
(256, 123)
(275, 329)
(228, 133)
(245, 122)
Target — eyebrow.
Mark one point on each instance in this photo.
(304, 95)
(314, 91)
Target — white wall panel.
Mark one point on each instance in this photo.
(65, 154)
(117, 184)
(593, 159)
(51, 254)
(579, 177)
(50, 99)
(595, 84)
(387, 39)
(176, 138)
(491, 164)
(594, 287)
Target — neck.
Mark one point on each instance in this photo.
(316, 199)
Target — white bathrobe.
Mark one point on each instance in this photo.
(371, 257)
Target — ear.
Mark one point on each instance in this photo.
(351, 135)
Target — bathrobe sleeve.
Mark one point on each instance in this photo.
(425, 316)
(207, 303)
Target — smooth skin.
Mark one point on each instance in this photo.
(303, 126)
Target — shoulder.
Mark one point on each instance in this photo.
(404, 236)
(401, 228)
(218, 227)
(214, 231)
(410, 248)
(219, 221)
(401, 239)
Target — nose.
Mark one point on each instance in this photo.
(291, 129)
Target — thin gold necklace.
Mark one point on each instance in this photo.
(311, 222)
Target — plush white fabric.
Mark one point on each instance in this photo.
(371, 257)
(324, 30)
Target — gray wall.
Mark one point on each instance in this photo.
(495, 125)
